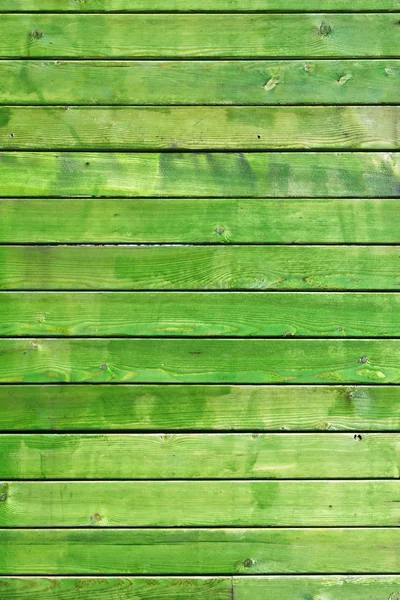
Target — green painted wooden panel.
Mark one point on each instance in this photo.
(123, 588)
(246, 221)
(202, 174)
(195, 36)
(199, 407)
(206, 503)
(335, 587)
(199, 267)
(189, 314)
(199, 551)
(196, 5)
(199, 128)
(199, 82)
(261, 221)
(200, 456)
(199, 361)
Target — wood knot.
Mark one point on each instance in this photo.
(324, 29)
(104, 367)
(249, 562)
(37, 35)
(3, 497)
(358, 437)
(220, 230)
(363, 360)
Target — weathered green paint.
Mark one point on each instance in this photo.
(199, 82)
(246, 221)
(189, 314)
(200, 503)
(199, 268)
(118, 588)
(200, 456)
(199, 408)
(335, 587)
(156, 360)
(195, 551)
(199, 128)
(202, 174)
(199, 36)
(196, 5)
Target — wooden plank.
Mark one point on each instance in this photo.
(195, 5)
(200, 456)
(199, 82)
(206, 504)
(199, 36)
(199, 268)
(121, 588)
(198, 128)
(246, 221)
(153, 314)
(159, 360)
(199, 551)
(202, 174)
(199, 408)
(334, 587)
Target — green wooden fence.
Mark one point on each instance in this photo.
(199, 299)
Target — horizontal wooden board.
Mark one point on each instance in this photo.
(125, 588)
(195, 5)
(206, 504)
(200, 456)
(189, 314)
(199, 268)
(334, 587)
(199, 551)
(246, 221)
(159, 360)
(199, 36)
(199, 407)
(201, 174)
(199, 82)
(199, 128)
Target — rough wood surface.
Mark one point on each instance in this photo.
(196, 5)
(201, 174)
(200, 128)
(326, 268)
(199, 82)
(335, 587)
(189, 314)
(247, 221)
(120, 588)
(158, 360)
(199, 551)
(200, 504)
(199, 36)
(199, 408)
(200, 456)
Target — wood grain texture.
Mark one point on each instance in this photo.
(200, 456)
(261, 221)
(199, 36)
(199, 268)
(199, 128)
(199, 551)
(200, 504)
(335, 587)
(199, 408)
(118, 588)
(189, 314)
(202, 174)
(159, 360)
(247, 221)
(196, 5)
(268, 82)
